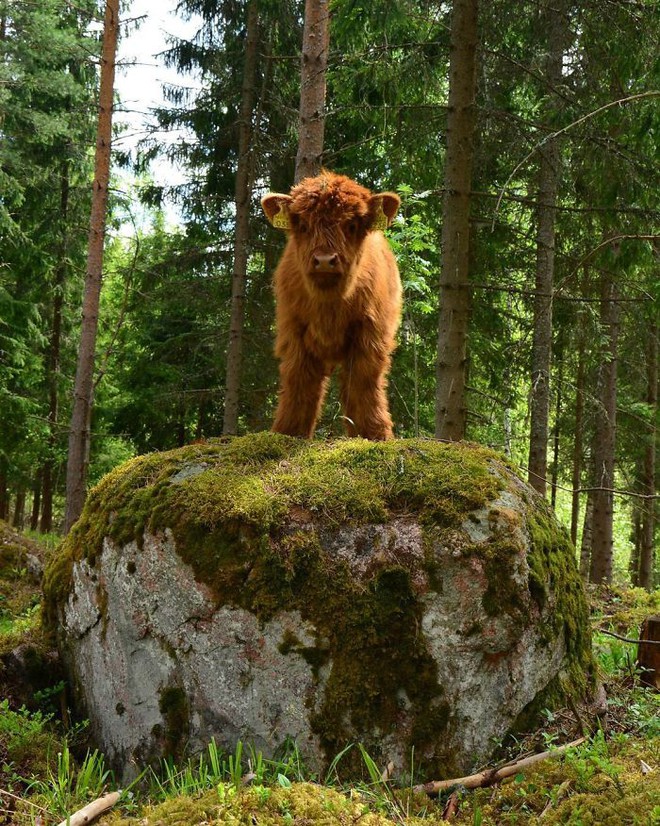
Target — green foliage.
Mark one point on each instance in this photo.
(22, 733)
(69, 787)
(47, 83)
(227, 772)
(19, 591)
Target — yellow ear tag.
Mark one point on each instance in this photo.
(380, 221)
(281, 219)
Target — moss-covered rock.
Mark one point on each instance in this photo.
(405, 594)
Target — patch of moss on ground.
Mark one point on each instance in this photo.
(623, 609)
(599, 784)
(19, 591)
(304, 804)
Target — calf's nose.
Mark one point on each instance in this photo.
(325, 262)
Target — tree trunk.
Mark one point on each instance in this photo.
(243, 197)
(79, 433)
(4, 490)
(53, 358)
(647, 532)
(636, 541)
(587, 534)
(19, 510)
(451, 366)
(555, 449)
(549, 174)
(200, 427)
(578, 436)
(36, 503)
(648, 654)
(605, 442)
(311, 124)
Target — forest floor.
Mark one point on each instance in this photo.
(47, 772)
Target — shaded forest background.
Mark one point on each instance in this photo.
(565, 158)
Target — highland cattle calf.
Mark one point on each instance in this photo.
(338, 299)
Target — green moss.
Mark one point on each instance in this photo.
(223, 496)
(19, 590)
(599, 784)
(173, 705)
(28, 747)
(316, 656)
(302, 803)
(552, 570)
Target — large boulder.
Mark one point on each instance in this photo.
(405, 595)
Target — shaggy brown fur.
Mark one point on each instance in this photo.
(338, 297)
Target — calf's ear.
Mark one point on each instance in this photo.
(383, 208)
(276, 207)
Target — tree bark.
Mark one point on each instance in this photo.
(36, 503)
(53, 358)
(555, 449)
(648, 653)
(636, 540)
(451, 366)
(79, 433)
(647, 532)
(19, 510)
(4, 490)
(578, 435)
(243, 197)
(311, 123)
(549, 174)
(605, 441)
(587, 534)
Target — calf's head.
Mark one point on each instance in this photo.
(328, 218)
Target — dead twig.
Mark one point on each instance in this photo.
(627, 639)
(491, 776)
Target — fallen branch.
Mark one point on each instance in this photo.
(627, 639)
(492, 776)
(4, 792)
(92, 810)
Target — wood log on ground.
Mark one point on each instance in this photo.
(91, 811)
(648, 654)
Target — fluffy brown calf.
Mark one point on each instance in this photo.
(338, 297)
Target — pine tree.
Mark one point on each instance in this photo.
(79, 433)
(311, 124)
(451, 372)
(243, 197)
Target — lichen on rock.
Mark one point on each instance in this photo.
(404, 594)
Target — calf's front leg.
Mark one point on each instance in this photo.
(364, 395)
(303, 382)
